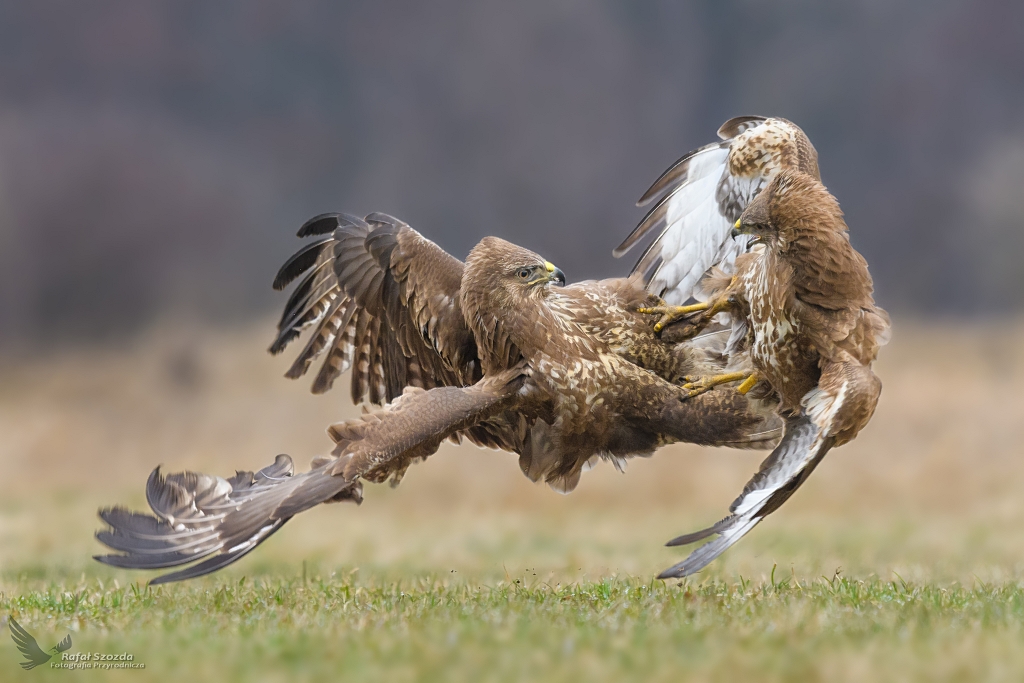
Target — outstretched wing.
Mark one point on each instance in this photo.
(202, 517)
(383, 300)
(27, 645)
(787, 467)
(701, 196)
(199, 515)
(846, 392)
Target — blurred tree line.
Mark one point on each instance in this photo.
(156, 158)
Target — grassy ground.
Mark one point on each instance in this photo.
(901, 559)
(612, 629)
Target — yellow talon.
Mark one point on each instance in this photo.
(671, 314)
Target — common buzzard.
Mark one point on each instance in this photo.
(495, 350)
(798, 298)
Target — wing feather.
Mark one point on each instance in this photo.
(703, 194)
(383, 300)
(807, 438)
(208, 522)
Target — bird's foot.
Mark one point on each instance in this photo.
(748, 384)
(671, 314)
(697, 385)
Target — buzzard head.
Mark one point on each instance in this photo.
(502, 288)
(795, 205)
(509, 272)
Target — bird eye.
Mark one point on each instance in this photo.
(523, 273)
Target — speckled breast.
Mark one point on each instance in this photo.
(776, 348)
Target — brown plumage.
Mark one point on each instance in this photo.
(812, 329)
(495, 350)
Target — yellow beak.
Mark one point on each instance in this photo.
(552, 274)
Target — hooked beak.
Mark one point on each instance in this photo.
(554, 274)
(737, 231)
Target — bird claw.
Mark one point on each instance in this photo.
(696, 386)
(673, 314)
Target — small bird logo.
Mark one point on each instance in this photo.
(34, 655)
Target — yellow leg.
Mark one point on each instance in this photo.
(698, 385)
(748, 383)
(671, 314)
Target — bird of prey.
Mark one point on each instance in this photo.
(27, 645)
(496, 350)
(797, 299)
(813, 332)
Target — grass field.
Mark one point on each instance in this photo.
(901, 559)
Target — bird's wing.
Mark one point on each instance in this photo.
(831, 414)
(27, 645)
(383, 300)
(198, 515)
(215, 520)
(64, 645)
(701, 196)
(806, 440)
(802, 447)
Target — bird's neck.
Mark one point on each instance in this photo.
(492, 320)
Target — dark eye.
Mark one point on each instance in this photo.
(524, 273)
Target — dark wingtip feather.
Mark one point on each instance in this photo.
(320, 225)
(298, 368)
(651, 220)
(687, 539)
(299, 263)
(329, 222)
(282, 340)
(627, 244)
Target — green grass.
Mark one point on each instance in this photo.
(930, 491)
(615, 629)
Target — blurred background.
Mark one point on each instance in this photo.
(157, 158)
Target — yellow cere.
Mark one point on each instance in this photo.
(549, 266)
(737, 226)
